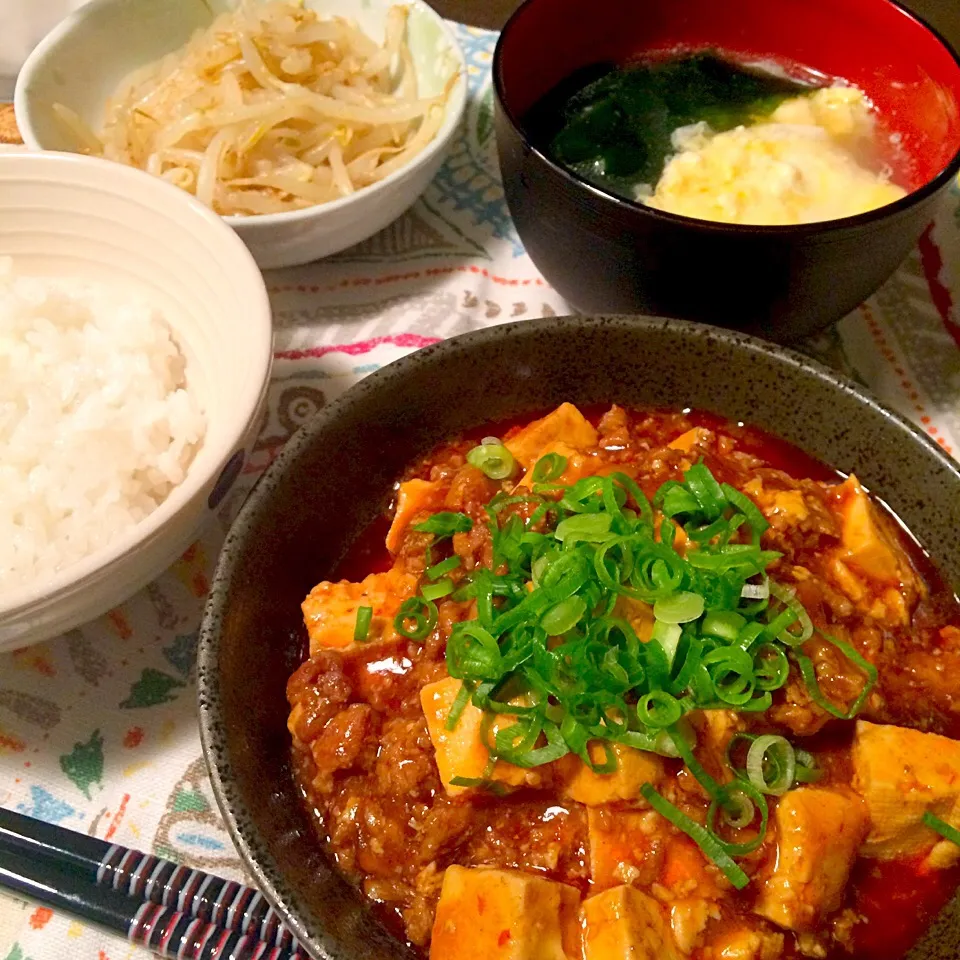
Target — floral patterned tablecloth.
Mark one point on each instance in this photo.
(98, 728)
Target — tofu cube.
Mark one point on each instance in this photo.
(901, 774)
(692, 438)
(625, 924)
(866, 547)
(413, 497)
(566, 424)
(330, 610)
(490, 914)
(577, 467)
(461, 752)
(634, 768)
(818, 834)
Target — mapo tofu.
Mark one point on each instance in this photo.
(636, 685)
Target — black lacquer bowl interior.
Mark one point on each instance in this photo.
(604, 253)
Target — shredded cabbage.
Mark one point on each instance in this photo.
(271, 109)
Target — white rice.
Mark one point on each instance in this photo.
(97, 422)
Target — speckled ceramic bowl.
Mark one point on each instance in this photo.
(336, 474)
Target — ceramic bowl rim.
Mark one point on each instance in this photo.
(134, 184)
(455, 109)
(797, 230)
(208, 683)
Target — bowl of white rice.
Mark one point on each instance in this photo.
(135, 353)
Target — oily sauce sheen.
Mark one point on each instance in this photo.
(366, 765)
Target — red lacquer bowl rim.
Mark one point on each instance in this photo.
(914, 197)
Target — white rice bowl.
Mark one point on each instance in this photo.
(97, 420)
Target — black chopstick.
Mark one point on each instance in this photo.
(174, 910)
(166, 932)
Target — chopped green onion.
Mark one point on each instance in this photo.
(770, 667)
(361, 629)
(589, 527)
(709, 494)
(789, 598)
(473, 653)
(493, 459)
(807, 770)
(945, 830)
(443, 567)
(749, 634)
(756, 591)
(628, 484)
(741, 810)
(658, 709)
(679, 607)
(677, 500)
(434, 591)
(725, 624)
(445, 524)
(740, 803)
(459, 705)
(685, 750)
(668, 636)
(549, 468)
(709, 843)
(563, 616)
(418, 611)
(747, 507)
(497, 789)
(708, 532)
(550, 647)
(771, 763)
(809, 674)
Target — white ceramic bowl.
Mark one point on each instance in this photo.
(66, 215)
(81, 62)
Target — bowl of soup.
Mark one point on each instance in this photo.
(757, 166)
(655, 661)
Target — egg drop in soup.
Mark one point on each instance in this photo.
(703, 136)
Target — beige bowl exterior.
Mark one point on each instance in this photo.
(64, 214)
(80, 63)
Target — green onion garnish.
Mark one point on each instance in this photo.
(549, 468)
(809, 674)
(747, 507)
(658, 709)
(708, 493)
(493, 458)
(420, 613)
(794, 613)
(361, 629)
(553, 646)
(459, 705)
(708, 842)
(679, 607)
(771, 764)
(942, 827)
(740, 803)
(442, 568)
(491, 786)
(434, 591)
(445, 524)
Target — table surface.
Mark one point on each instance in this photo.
(98, 729)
